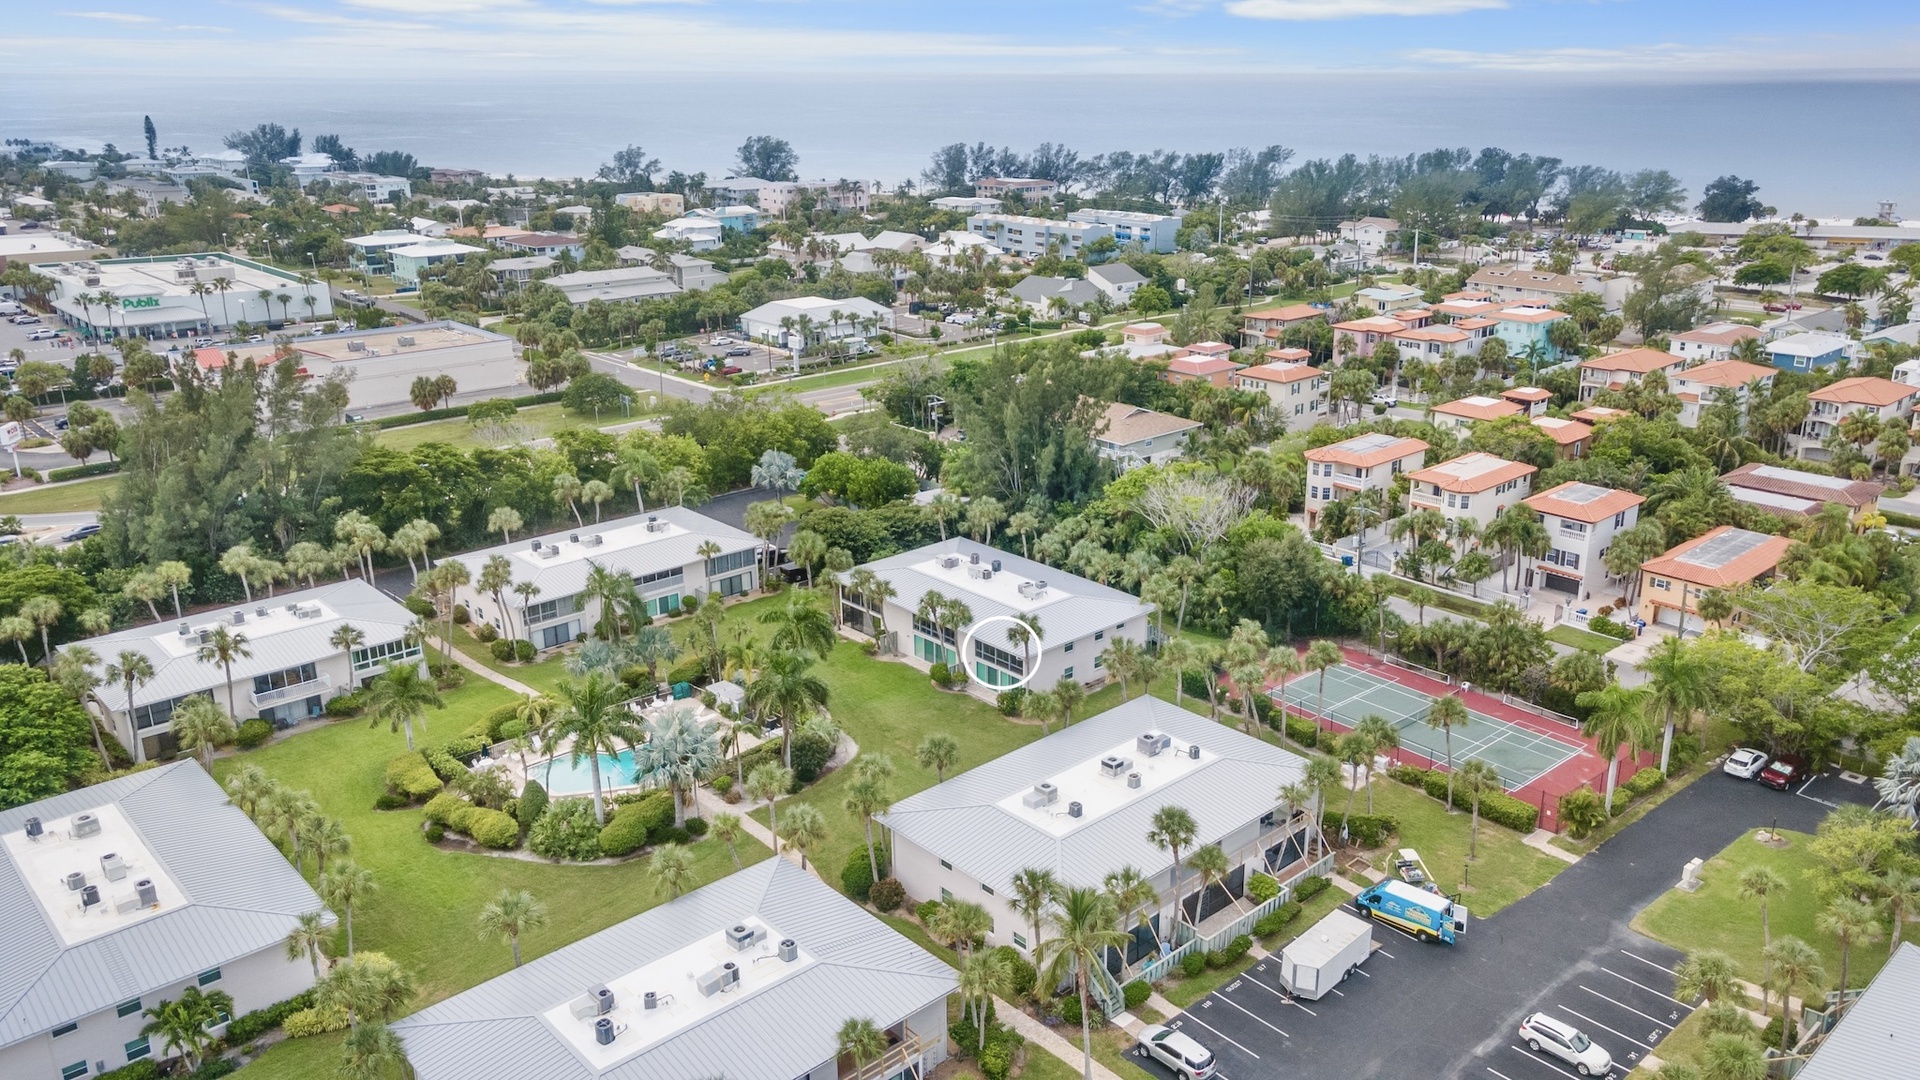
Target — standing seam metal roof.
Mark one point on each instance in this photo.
(242, 896)
(960, 821)
(567, 576)
(1875, 1039)
(860, 968)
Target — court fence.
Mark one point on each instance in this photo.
(1419, 669)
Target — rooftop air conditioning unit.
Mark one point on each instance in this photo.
(950, 562)
(1073, 809)
(1151, 743)
(147, 894)
(1133, 780)
(789, 951)
(536, 545)
(595, 540)
(1115, 765)
(996, 566)
(719, 980)
(85, 825)
(974, 558)
(573, 538)
(742, 937)
(293, 609)
(185, 630)
(260, 612)
(239, 617)
(1193, 751)
(549, 552)
(1044, 793)
(35, 830)
(76, 881)
(403, 340)
(89, 897)
(93, 279)
(986, 575)
(112, 865)
(206, 636)
(603, 1032)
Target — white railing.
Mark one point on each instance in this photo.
(314, 685)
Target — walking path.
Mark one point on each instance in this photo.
(489, 674)
(1044, 1037)
(1542, 840)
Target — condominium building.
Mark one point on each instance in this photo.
(1032, 237)
(1581, 521)
(1475, 486)
(1152, 232)
(668, 553)
(1029, 188)
(1882, 399)
(1363, 463)
(295, 660)
(121, 897)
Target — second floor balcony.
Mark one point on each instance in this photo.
(292, 691)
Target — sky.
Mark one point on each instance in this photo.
(1683, 39)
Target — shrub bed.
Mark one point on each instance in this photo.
(314, 1021)
(252, 733)
(531, 804)
(249, 1026)
(887, 894)
(1310, 887)
(1261, 887)
(566, 831)
(1276, 920)
(411, 776)
(1303, 731)
(856, 877)
(1367, 830)
(1024, 975)
(1495, 806)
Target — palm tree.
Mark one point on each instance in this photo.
(1035, 889)
(1761, 883)
(345, 887)
(368, 986)
(801, 623)
(1618, 718)
(1728, 1056)
(1447, 713)
(1386, 739)
(510, 915)
(727, 829)
(1320, 656)
(400, 695)
(1133, 897)
(371, 1052)
(1210, 864)
(1322, 778)
(1707, 974)
(223, 285)
(1477, 778)
(1178, 654)
(308, 938)
(1085, 926)
(1796, 966)
(1851, 922)
(938, 752)
(861, 1040)
(200, 724)
(1070, 694)
(1679, 684)
(1355, 750)
(326, 836)
(1171, 829)
(593, 715)
(17, 630)
(131, 669)
(42, 612)
(806, 827)
(1282, 663)
(504, 519)
(1901, 891)
(223, 647)
(182, 1025)
(767, 783)
(866, 798)
(787, 688)
(985, 976)
(678, 751)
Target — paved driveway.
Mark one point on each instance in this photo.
(1417, 1010)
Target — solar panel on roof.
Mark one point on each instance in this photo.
(1724, 548)
(1582, 494)
(1795, 476)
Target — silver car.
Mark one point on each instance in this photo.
(1545, 1035)
(1177, 1051)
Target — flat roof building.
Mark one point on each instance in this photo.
(659, 550)
(1032, 237)
(750, 976)
(409, 260)
(124, 894)
(381, 364)
(294, 669)
(1153, 232)
(620, 283)
(155, 297)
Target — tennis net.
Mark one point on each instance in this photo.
(1421, 669)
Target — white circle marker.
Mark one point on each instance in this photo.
(966, 640)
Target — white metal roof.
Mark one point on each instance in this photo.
(240, 896)
(964, 821)
(1876, 1037)
(855, 966)
(625, 544)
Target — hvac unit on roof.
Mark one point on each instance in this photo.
(595, 540)
(719, 980)
(293, 609)
(185, 630)
(1044, 793)
(260, 612)
(89, 897)
(76, 881)
(239, 617)
(403, 340)
(653, 523)
(147, 894)
(1151, 743)
(974, 559)
(35, 830)
(548, 552)
(996, 566)
(603, 1032)
(356, 346)
(1073, 809)
(742, 937)
(789, 951)
(1133, 780)
(85, 825)
(1115, 765)
(573, 538)
(949, 562)
(112, 865)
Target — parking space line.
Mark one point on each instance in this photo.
(1668, 1024)
(1387, 954)
(1645, 987)
(1256, 1016)
(1603, 1027)
(1222, 1034)
(1542, 1060)
(1647, 962)
(1498, 1073)
(1283, 997)
(1337, 992)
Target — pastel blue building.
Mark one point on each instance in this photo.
(1809, 351)
(1523, 328)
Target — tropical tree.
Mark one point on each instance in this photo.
(369, 986)
(1730, 1056)
(400, 695)
(1172, 829)
(309, 938)
(727, 828)
(678, 751)
(1210, 864)
(787, 688)
(1707, 974)
(345, 887)
(767, 783)
(1851, 922)
(182, 1025)
(1035, 890)
(939, 752)
(1322, 779)
(1678, 683)
(1355, 750)
(860, 1039)
(801, 623)
(672, 866)
(1477, 778)
(1901, 891)
(1617, 718)
(985, 975)
(504, 519)
(1762, 883)
(511, 914)
(805, 828)
(1070, 694)
(1796, 966)
(201, 724)
(223, 646)
(370, 1052)
(867, 797)
(594, 715)
(1125, 660)
(1085, 926)
(1386, 739)
(1449, 712)
(1320, 656)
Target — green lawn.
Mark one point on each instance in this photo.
(544, 675)
(1505, 870)
(1716, 918)
(1575, 638)
(423, 915)
(59, 498)
(540, 421)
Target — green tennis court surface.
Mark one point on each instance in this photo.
(1519, 753)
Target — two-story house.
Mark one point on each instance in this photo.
(1696, 386)
(1532, 399)
(1724, 558)
(1571, 438)
(1617, 371)
(1297, 393)
(1883, 399)
(1131, 436)
(1381, 299)
(1357, 337)
(1581, 521)
(1714, 341)
(1475, 486)
(1371, 235)
(1810, 351)
(1465, 412)
(1369, 462)
(1432, 344)
(1268, 325)
(1525, 329)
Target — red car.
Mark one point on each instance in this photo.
(731, 369)
(1784, 771)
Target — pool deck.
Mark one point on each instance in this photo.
(536, 767)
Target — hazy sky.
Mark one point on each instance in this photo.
(519, 38)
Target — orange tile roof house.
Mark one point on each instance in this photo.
(1465, 411)
(1477, 485)
(1268, 324)
(1362, 463)
(1516, 283)
(1297, 393)
(1287, 356)
(1359, 336)
(1214, 370)
(1714, 341)
(1570, 436)
(1617, 371)
(1581, 521)
(1143, 333)
(1793, 493)
(1533, 399)
(1724, 558)
(1599, 414)
(1695, 386)
(1883, 399)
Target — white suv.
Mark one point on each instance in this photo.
(1745, 763)
(1177, 1051)
(1545, 1035)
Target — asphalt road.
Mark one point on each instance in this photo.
(1416, 1010)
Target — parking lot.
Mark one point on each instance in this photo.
(1433, 1010)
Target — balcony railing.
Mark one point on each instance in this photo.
(901, 1055)
(315, 685)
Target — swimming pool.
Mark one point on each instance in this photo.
(561, 776)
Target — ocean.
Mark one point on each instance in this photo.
(1820, 147)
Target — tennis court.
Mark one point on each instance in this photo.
(1520, 754)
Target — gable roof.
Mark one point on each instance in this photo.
(858, 967)
(1116, 273)
(1720, 333)
(1865, 390)
(1636, 361)
(1280, 373)
(1035, 289)
(1200, 367)
(1125, 424)
(1721, 558)
(963, 822)
(1479, 408)
(242, 896)
(1563, 432)
(1874, 1037)
(1723, 373)
(1757, 476)
(1366, 451)
(1583, 502)
(1287, 313)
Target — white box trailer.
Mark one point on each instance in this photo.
(1316, 961)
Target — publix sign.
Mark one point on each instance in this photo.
(135, 303)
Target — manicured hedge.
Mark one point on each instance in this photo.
(250, 1026)
(81, 472)
(1023, 974)
(856, 877)
(637, 823)
(408, 419)
(410, 775)
(315, 1021)
(1276, 920)
(442, 807)
(1495, 806)
(1261, 887)
(1136, 993)
(887, 894)
(493, 828)
(252, 733)
(1640, 784)
(531, 804)
(1303, 731)
(1310, 887)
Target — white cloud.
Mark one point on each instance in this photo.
(204, 29)
(1674, 58)
(1321, 10)
(113, 16)
(437, 7)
